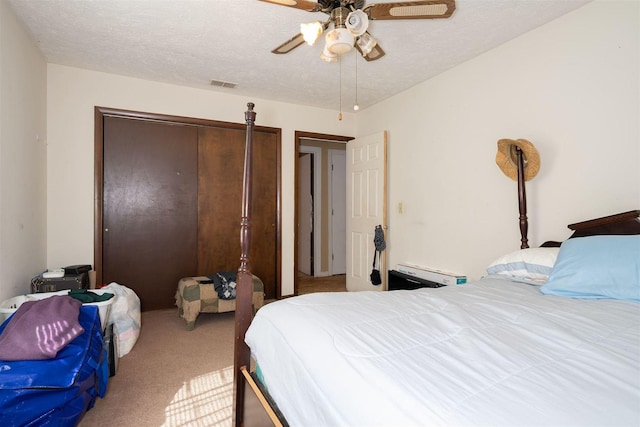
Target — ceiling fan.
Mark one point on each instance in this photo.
(350, 20)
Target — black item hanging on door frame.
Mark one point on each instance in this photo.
(378, 239)
(380, 245)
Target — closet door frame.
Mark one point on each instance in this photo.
(99, 115)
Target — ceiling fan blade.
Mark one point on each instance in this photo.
(426, 9)
(309, 6)
(295, 41)
(376, 53)
(290, 44)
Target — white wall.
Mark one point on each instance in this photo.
(22, 157)
(72, 95)
(571, 87)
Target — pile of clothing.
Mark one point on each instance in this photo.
(224, 282)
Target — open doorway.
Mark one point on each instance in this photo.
(320, 213)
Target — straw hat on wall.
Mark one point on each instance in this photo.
(507, 158)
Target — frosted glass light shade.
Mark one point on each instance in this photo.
(328, 56)
(311, 32)
(357, 22)
(366, 43)
(339, 41)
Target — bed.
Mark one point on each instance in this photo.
(550, 336)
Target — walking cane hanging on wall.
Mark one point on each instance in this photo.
(520, 161)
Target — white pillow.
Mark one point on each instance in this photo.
(531, 265)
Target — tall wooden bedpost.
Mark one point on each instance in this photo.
(244, 291)
(522, 201)
(520, 161)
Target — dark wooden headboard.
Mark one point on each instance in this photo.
(620, 224)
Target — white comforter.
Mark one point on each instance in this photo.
(493, 353)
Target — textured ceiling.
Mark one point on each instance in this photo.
(191, 42)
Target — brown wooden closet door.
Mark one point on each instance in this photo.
(220, 171)
(149, 207)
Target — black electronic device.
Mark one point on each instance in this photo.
(77, 269)
(399, 281)
(51, 284)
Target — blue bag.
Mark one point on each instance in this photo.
(56, 392)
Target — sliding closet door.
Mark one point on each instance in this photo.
(150, 219)
(264, 220)
(220, 170)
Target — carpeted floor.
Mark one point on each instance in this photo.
(172, 377)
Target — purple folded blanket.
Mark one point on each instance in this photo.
(39, 329)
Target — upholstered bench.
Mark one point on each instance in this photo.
(193, 298)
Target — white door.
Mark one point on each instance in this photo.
(366, 207)
(305, 214)
(338, 211)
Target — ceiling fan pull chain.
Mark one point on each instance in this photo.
(340, 90)
(356, 106)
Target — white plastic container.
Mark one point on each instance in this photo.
(8, 307)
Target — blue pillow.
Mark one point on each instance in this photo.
(597, 267)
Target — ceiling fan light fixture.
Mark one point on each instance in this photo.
(357, 22)
(328, 56)
(311, 31)
(366, 43)
(339, 41)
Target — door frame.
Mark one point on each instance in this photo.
(298, 137)
(99, 115)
